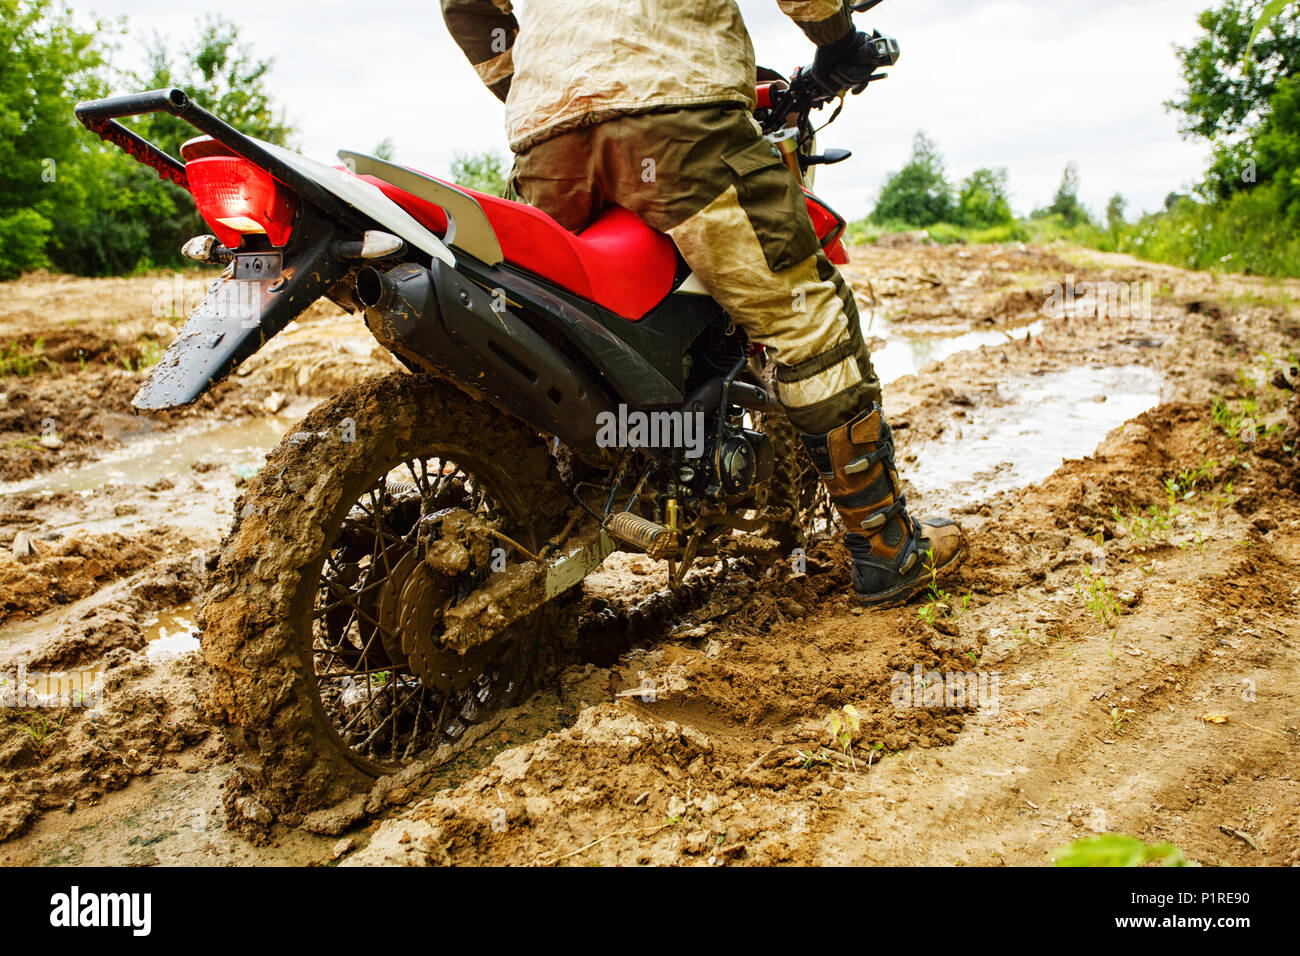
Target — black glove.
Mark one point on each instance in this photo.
(847, 64)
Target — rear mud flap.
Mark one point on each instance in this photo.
(234, 320)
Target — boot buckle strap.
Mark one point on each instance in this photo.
(865, 462)
(882, 516)
(905, 560)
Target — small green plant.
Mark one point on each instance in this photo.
(148, 354)
(151, 353)
(940, 603)
(20, 361)
(1240, 416)
(1224, 500)
(39, 727)
(1239, 423)
(1115, 849)
(811, 759)
(1143, 528)
(1118, 719)
(845, 722)
(1098, 599)
(1185, 485)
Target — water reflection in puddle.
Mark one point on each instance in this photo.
(1046, 419)
(906, 353)
(145, 458)
(174, 632)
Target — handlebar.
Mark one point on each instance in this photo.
(805, 93)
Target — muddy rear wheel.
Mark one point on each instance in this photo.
(321, 616)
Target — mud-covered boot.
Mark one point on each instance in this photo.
(891, 551)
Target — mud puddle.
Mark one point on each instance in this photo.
(149, 456)
(1042, 421)
(174, 632)
(168, 635)
(907, 352)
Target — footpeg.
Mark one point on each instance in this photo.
(654, 539)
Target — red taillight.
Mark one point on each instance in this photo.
(235, 198)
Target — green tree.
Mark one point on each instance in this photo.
(1244, 98)
(220, 73)
(1225, 94)
(111, 228)
(1115, 212)
(479, 171)
(46, 65)
(919, 194)
(1276, 143)
(1066, 202)
(66, 198)
(982, 199)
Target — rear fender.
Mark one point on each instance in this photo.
(238, 316)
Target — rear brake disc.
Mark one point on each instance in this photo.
(388, 603)
(425, 594)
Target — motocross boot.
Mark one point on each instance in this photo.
(893, 555)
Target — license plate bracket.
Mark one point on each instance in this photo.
(257, 265)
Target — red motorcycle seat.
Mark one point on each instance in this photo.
(618, 261)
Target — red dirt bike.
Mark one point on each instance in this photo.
(381, 588)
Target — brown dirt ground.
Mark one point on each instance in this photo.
(696, 731)
(90, 343)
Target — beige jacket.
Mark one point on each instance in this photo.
(559, 64)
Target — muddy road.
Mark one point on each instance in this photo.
(1118, 654)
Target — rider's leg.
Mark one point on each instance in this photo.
(708, 178)
(558, 176)
(806, 315)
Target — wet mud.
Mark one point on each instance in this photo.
(1117, 654)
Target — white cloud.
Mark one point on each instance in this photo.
(1027, 85)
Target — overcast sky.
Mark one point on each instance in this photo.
(1026, 85)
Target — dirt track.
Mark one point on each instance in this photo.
(1160, 702)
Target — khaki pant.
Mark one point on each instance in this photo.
(708, 178)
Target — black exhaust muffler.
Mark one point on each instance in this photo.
(438, 321)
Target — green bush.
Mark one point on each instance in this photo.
(920, 191)
(1251, 232)
(943, 233)
(23, 237)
